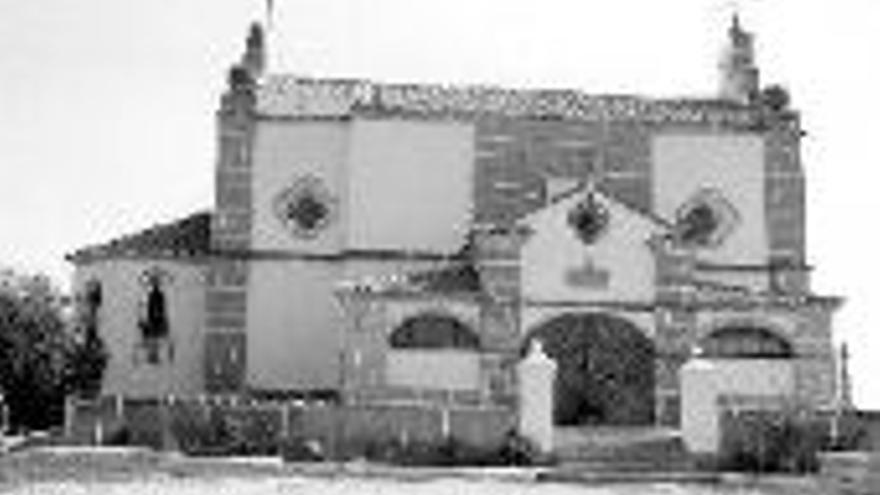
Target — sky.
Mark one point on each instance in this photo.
(106, 106)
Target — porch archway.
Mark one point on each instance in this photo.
(605, 369)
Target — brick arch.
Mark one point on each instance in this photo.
(554, 315)
(606, 368)
(749, 338)
(433, 330)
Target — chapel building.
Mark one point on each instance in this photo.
(381, 242)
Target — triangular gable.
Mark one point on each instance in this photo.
(559, 262)
(583, 188)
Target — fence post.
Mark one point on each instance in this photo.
(284, 410)
(445, 426)
(68, 417)
(98, 431)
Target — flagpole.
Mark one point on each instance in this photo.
(270, 29)
(270, 8)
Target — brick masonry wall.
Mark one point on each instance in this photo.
(785, 197)
(226, 295)
(515, 157)
(367, 349)
(816, 364)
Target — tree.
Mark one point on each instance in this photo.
(87, 354)
(42, 357)
(32, 350)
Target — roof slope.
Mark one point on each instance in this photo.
(183, 238)
(590, 187)
(460, 277)
(300, 97)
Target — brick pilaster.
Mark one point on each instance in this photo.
(784, 190)
(226, 293)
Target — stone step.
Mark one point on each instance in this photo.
(627, 465)
(610, 476)
(633, 450)
(623, 452)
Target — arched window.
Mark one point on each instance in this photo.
(432, 331)
(743, 341)
(433, 352)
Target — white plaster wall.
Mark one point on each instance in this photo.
(731, 163)
(704, 381)
(123, 295)
(443, 369)
(410, 185)
(293, 325)
(295, 322)
(283, 152)
(554, 249)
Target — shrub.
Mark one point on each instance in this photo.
(852, 434)
(301, 450)
(515, 451)
(225, 432)
(252, 433)
(519, 451)
(119, 437)
(198, 434)
(772, 442)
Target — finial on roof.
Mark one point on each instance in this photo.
(739, 76)
(254, 58)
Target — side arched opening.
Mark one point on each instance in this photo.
(433, 352)
(745, 342)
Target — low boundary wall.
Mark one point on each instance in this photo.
(335, 430)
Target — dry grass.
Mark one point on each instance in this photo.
(140, 472)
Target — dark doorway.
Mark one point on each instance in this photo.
(605, 370)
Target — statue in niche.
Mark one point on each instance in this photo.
(154, 325)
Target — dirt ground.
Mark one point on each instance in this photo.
(128, 472)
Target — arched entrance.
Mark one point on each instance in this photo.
(605, 373)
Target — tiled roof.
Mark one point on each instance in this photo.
(187, 237)
(457, 278)
(299, 97)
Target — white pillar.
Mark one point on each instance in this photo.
(699, 408)
(537, 373)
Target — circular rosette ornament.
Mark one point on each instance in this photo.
(705, 220)
(305, 208)
(589, 220)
